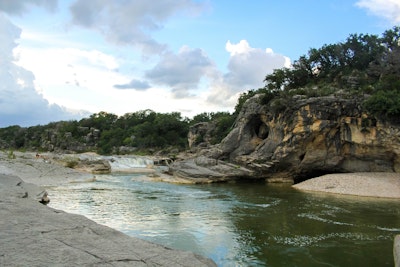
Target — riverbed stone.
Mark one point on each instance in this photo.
(32, 234)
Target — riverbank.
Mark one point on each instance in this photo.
(32, 234)
(371, 184)
(31, 230)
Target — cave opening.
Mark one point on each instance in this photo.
(260, 129)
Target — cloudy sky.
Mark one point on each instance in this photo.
(66, 59)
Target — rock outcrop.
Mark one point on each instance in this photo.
(300, 137)
(32, 234)
(96, 166)
(204, 170)
(200, 134)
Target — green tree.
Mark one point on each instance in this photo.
(110, 140)
(101, 120)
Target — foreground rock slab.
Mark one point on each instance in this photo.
(32, 234)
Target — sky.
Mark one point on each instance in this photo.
(68, 59)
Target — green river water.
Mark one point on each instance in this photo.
(241, 224)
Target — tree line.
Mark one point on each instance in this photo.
(106, 133)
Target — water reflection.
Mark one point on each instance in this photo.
(242, 224)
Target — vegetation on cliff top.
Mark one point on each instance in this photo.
(365, 66)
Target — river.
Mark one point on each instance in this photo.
(241, 224)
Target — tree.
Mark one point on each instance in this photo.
(101, 120)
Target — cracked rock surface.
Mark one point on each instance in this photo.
(32, 234)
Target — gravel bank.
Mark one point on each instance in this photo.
(371, 184)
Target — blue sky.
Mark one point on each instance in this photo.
(66, 59)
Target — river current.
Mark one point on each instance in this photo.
(241, 224)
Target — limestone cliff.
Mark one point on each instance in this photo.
(298, 138)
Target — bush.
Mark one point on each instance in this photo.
(385, 104)
(71, 162)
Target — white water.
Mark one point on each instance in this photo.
(123, 163)
(127, 163)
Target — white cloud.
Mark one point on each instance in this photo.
(68, 65)
(242, 47)
(96, 58)
(388, 9)
(183, 71)
(130, 22)
(247, 68)
(192, 69)
(20, 102)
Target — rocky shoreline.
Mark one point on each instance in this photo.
(33, 234)
(31, 231)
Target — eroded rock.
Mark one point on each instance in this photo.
(299, 138)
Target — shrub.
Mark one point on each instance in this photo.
(385, 104)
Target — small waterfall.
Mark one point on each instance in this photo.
(129, 163)
(126, 163)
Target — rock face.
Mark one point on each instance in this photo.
(200, 134)
(32, 234)
(299, 138)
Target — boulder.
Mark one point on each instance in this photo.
(93, 165)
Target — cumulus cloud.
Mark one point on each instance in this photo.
(130, 22)
(20, 102)
(247, 68)
(18, 7)
(73, 66)
(134, 84)
(182, 71)
(388, 9)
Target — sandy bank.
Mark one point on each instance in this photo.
(377, 184)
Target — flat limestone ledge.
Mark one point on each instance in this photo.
(43, 171)
(371, 184)
(32, 234)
